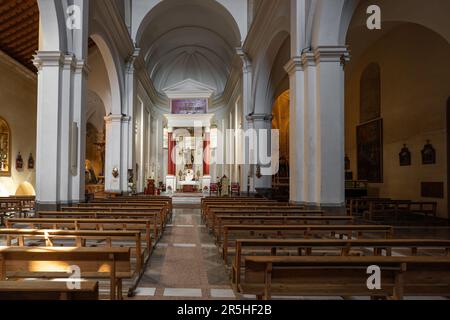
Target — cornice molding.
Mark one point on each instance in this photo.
(332, 54)
(294, 64)
(82, 66)
(16, 66)
(48, 59)
(113, 118)
(265, 117)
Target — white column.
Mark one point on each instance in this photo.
(330, 108)
(142, 140)
(317, 127)
(113, 150)
(297, 164)
(128, 151)
(149, 146)
(48, 165)
(246, 109)
(312, 130)
(262, 123)
(65, 187)
(79, 117)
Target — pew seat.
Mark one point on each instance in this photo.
(346, 276)
(47, 290)
(49, 263)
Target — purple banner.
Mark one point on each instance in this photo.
(189, 106)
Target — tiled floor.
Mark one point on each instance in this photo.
(185, 263)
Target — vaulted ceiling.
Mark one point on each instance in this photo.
(193, 39)
(19, 30)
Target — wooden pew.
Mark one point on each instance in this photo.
(303, 231)
(143, 225)
(308, 247)
(9, 206)
(233, 202)
(423, 207)
(245, 206)
(357, 206)
(262, 211)
(346, 276)
(49, 263)
(47, 290)
(386, 208)
(80, 238)
(131, 210)
(94, 214)
(222, 220)
(167, 201)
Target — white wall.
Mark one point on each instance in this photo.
(415, 86)
(18, 108)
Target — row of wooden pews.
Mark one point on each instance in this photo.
(108, 240)
(16, 206)
(379, 208)
(280, 249)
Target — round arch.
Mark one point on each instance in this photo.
(333, 19)
(25, 189)
(263, 88)
(194, 39)
(113, 74)
(168, 4)
(52, 35)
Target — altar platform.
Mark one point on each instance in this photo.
(188, 186)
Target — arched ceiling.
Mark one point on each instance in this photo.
(193, 39)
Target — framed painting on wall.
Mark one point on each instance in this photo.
(5, 149)
(369, 137)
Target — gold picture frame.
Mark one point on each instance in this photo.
(5, 148)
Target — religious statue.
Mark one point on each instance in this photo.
(89, 173)
(225, 182)
(189, 175)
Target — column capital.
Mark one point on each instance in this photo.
(133, 62)
(69, 62)
(294, 65)
(332, 54)
(81, 66)
(266, 117)
(125, 119)
(113, 118)
(48, 59)
(246, 62)
(308, 59)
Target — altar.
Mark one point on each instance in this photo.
(188, 186)
(188, 136)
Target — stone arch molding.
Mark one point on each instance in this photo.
(228, 8)
(53, 35)
(194, 39)
(114, 76)
(332, 19)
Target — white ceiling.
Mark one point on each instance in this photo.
(193, 39)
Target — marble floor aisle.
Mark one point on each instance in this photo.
(185, 263)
